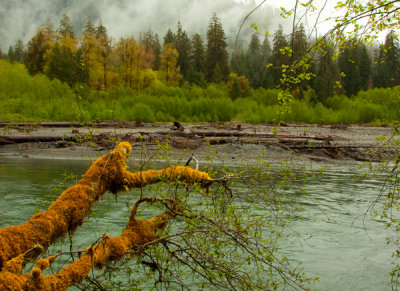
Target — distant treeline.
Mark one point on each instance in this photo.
(37, 98)
(95, 60)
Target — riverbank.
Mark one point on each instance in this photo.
(233, 141)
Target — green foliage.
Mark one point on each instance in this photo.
(27, 98)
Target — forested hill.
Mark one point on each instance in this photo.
(59, 75)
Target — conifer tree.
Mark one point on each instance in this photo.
(19, 51)
(387, 63)
(364, 65)
(169, 38)
(280, 55)
(183, 46)
(348, 66)
(302, 62)
(198, 54)
(62, 60)
(255, 63)
(197, 62)
(326, 72)
(65, 27)
(381, 75)
(266, 52)
(105, 50)
(239, 62)
(299, 43)
(217, 55)
(10, 54)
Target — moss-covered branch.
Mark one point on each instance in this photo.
(137, 233)
(66, 214)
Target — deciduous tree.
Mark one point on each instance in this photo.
(170, 71)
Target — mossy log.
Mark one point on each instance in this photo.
(66, 214)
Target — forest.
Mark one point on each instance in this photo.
(63, 75)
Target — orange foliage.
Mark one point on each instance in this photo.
(108, 173)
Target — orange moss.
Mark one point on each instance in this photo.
(14, 265)
(107, 173)
(43, 264)
(137, 233)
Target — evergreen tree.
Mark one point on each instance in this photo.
(65, 28)
(355, 63)
(169, 38)
(326, 73)
(197, 62)
(364, 66)
(19, 51)
(62, 64)
(183, 46)
(62, 60)
(381, 70)
(10, 54)
(266, 52)
(105, 53)
(387, 68)
(280, 55)
(351, 81)
(197, 54)
(239, 62)
(255, 62)
(299, 43)
(302, 63)
(217, 55)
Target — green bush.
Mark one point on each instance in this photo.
(37, 98)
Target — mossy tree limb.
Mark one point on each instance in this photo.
(137, 233)
(66, 214)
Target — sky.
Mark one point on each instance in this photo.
(19, 19)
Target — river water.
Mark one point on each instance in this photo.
(333, 240)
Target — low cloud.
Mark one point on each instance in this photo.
(19, 19)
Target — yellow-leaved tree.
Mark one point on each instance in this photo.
(133, 60)
(169, 72)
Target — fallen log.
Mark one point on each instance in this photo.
(13, 139)
(203, 133)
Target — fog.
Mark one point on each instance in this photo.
(19, 19)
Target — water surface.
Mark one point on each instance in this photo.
(332, 240)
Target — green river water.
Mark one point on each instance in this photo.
(332, 241)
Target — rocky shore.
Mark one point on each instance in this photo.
(233, 141)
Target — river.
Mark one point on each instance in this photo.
(333, 240)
